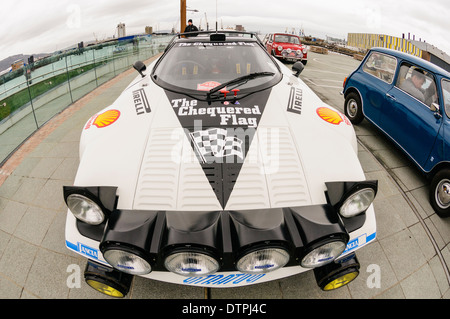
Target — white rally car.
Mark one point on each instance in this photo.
(218, 167)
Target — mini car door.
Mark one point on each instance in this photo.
(409, 117)
(376, 80)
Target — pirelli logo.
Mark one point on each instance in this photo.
(295, 101)
(141, 102)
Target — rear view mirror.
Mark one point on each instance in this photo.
(298, 68)
(140, 67)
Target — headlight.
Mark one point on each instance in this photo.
(304, 50)
(280, 48)
(127, 261)
(289, 51)
(191, 264)
(323, 254)
(357, 203)
(85, 209)
(299, 52)
(263, 260)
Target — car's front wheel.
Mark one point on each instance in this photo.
(353, 108)
(440, 193)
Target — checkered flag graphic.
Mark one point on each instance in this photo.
(215, 142)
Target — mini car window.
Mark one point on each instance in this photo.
(286, 39)
(417, 82)
(446, 95)
(381, 66)
(201, 66)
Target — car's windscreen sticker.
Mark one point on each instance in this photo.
(206, 86)
(220, 133)
(215, 44)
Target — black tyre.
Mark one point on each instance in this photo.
(440, 193)
(353, 108)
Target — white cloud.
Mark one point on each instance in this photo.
(44, 25)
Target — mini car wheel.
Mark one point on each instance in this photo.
(440, 193)
(353, 108)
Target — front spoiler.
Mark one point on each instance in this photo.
(290, 231)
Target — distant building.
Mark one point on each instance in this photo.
(121, 32)
(366, 41)
(433, 54)
(148, 30)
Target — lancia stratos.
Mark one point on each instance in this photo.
(218, 167)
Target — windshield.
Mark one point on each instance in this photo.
(201, 66)
(286, 39)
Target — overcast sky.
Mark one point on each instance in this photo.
(44, 26)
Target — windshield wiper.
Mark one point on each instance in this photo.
(239, 80)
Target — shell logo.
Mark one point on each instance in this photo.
(106, 118)
(331, 116)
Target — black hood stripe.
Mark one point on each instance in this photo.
(220, 133)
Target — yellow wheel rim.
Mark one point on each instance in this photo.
(104, 288)
(341, 281)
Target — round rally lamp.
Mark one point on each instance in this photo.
(280, 48)
(85, 209)
(357, 202)
(127, 261)
(263, 260)
(191, 264)
(323, 254)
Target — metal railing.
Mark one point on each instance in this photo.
(32, 95)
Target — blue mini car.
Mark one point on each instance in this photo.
(408, 99)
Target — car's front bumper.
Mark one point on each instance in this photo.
(291, 55)
(227, 235)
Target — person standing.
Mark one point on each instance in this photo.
(191, 28)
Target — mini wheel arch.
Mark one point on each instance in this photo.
(440, 192)
(353, 107)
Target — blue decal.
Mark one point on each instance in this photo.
(88, 251)
(264, 266)
(222, 279)
(71, 246)
(83, 249)
(359, 241)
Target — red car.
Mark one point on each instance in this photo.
(286, 47)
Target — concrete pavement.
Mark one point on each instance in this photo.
(410, 253)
